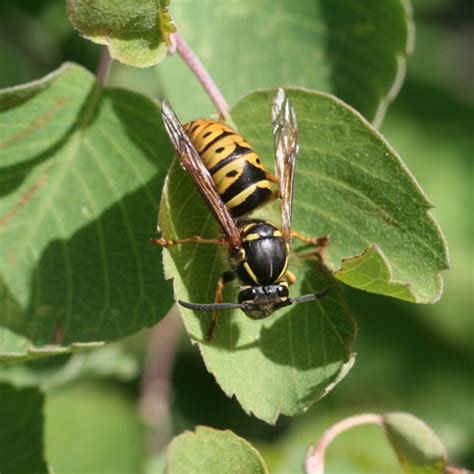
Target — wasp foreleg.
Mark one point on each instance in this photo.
(320, 242)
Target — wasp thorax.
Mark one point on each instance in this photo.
(260, 301)
(264, 257)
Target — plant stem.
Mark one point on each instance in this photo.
(314, 463)
(103, 68)
(201, 73)
(155, 386)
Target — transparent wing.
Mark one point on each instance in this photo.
(285, 134)
(194, 166)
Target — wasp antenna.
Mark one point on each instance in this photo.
(210, 306)
(311, 296)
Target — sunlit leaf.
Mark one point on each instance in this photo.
(352, 186)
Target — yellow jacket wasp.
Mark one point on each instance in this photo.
(233, 182)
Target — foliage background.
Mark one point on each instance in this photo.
(414, 358)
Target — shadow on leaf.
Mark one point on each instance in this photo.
(103, 283)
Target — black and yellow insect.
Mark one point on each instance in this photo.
(233, 182)
(240, 178)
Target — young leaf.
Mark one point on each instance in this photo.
(418, 448)
(355, 50)
(21, 430)
(208, 450)
(352, 186)
(136, 33)
(82, 170)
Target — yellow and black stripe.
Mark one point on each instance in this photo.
(237, 171)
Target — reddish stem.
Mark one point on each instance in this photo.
(201, 73)
(103, 68)
(155, 386)
(314, 463)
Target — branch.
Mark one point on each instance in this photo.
(314, 463)
(201, 73)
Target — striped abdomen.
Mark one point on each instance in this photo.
(240, 177)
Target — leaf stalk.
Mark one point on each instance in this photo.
(201, 73)
(103, 69)
(314, 462)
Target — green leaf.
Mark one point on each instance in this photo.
(21, 430)
(352, 186)
(136, 32)
(82, 170)
(355, 50)
(278, 365)
(208, 450)
(419, 450)
(93, 429)
(371, 271)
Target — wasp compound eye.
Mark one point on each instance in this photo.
(282, 290)
(248, 294)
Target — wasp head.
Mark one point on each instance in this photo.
(258, 302)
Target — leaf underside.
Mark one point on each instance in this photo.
(136, 33)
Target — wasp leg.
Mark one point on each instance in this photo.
(318, 241)
(271, 177)
(195, 238)
(226, 277)
(290, 277)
